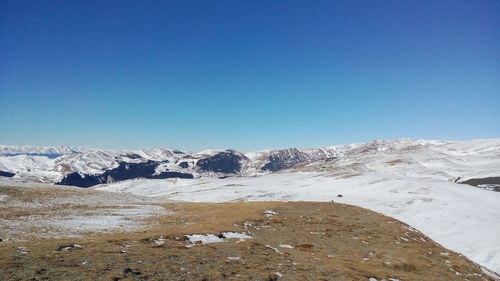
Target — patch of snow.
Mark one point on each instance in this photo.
(74, 246)
(22, 250)
(158, 242)
(269, 213)
(204, 238)
(212, 238)
(235, 235)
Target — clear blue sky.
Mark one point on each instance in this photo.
(247, 74)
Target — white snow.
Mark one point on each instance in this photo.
(74, 246)
(22, 250)
(204, 238)
(212, 238)
(236, 235)
(6, 150)
(158, 242)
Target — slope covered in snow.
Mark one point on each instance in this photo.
(461, 218)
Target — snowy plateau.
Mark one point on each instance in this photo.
(448, 190)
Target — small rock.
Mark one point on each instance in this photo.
(273, 277)
(64, 248)
(127, 270)
(40, 271)
(304, 246)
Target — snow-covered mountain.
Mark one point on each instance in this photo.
(444, 160)
(47, 151)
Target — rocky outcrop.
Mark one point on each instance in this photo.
(284, 159)
(228, 162)
(133, 156)
(491, 183)
(124, 171)
(6, 174)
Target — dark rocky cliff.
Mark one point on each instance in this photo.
(124, 171)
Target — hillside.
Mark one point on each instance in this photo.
(272, 241)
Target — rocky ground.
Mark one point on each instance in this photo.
(248, 241)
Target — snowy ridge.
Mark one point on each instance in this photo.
(444, 159)
(52, 151)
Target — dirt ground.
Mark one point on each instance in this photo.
(290, 241)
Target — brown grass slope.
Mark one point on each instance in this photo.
(319, 241)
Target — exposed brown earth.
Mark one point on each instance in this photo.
(302, 241)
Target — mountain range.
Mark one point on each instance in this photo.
(85, 167)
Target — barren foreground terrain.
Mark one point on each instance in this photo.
(55, 234)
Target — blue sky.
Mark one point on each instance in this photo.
(247, 74)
